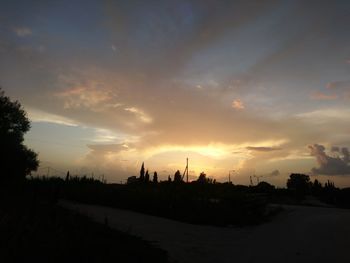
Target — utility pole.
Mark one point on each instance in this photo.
(186, 171)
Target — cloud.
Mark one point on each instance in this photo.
(335, 90)
(330, 165)
(80, 96)
(41, 116)
(345, 153)
(237, 104)
(105, 148)
(342, 88)
(114, 48)
(152, 88)
(325, 115)
(181, 28)
(140, 114)
(338, 85)
(107, 136)
(263, 149)
(271, 174)
(111, 159)
(22, 31)
(323, 96)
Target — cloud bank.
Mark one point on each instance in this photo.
(328, 165)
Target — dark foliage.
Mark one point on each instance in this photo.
(16, 160)
(177, 177)
(215, 204)
(147, 177)
(264, 187)
(202, 178)
(316, 188)
(299, 183)
(35, 229)
(155, 177)
(142, 173)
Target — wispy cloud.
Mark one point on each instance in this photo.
(22, 31)
(41, 116)
(140, 114)
(113, 148)
(84, 97)
(263, 149)
(325, 115)
(318, 95)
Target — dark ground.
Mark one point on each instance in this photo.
(302, 234)
(35, 229)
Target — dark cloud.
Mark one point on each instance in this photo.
(263, 149)
(330, 165)
(345, 153)
(181, 28)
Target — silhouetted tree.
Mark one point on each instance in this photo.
(202, 178)
(329, 193)
(142, 172)
(169, 178)
(316, 187)
(155, 177)
(317, 184)
(67, 176)
(131, 180)
(177, 177)
(147, 177)
(329, 185)
(264, 187)
(16, 160)
(300, 183)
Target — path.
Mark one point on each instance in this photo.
(299, 234)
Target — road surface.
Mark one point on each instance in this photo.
(298, 234)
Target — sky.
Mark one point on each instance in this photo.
(241, 87)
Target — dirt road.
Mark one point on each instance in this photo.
(299, 234)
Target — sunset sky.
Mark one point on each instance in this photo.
(259, 87)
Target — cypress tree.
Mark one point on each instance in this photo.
(142, 173)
